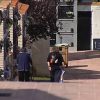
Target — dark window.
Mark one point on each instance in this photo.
(84, 14)
(65, 12)
(52, 39)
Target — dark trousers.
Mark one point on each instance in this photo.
(55, 74)
(24, 76)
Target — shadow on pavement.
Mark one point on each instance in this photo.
(41, 80)
(75, 74)
(78, 66)
(83, 55)
(27, 94)
(5, 94)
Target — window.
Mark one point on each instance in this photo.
(65, 12)
(52, 39)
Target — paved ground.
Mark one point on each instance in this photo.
(81, 82)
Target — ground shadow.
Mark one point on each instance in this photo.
(5, 94)
(75, 74)
(27, 94)
(77, 66)
(83, 55)
(41, 80)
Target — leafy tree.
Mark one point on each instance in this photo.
(41, 19)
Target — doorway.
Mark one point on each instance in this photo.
(84, 31)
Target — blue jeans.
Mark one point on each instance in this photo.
(55, 73)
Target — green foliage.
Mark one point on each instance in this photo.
(18, 30)
(69, 2)
(8, 45)
(1, 17)
(9, 23)
(1, 72)
(1, 42)
(41, 78)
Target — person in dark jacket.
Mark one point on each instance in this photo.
(24, 61)
(55, 62)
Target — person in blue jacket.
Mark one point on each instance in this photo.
(24, 61)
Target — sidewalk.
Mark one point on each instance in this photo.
(84, 66)
(49, 91)
(81, 82)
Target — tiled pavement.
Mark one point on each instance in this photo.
(81, 82)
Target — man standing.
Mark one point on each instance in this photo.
(24, 60)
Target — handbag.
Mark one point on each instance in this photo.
(61, 77)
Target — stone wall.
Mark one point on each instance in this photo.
(39, 52)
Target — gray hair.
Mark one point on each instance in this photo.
(23, 49)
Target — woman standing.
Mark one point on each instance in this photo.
(55, 62)
(24, 61)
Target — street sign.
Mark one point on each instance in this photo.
(96, 44)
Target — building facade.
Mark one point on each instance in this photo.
(12, 15)
(93, 25)
(82, 31)
(67, 23)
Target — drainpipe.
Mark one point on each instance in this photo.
(60, 39)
